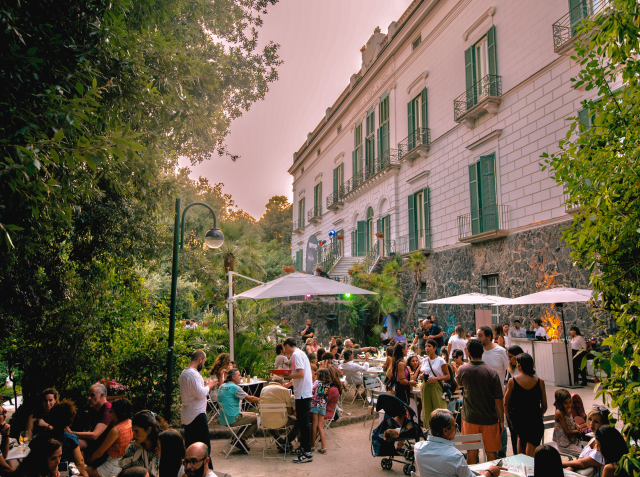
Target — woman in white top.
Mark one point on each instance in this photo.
(590, 456)
(540, 331)
(578, 344)
(507, 337)
(458, 340)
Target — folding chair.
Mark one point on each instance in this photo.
(471, 442)
(236, 434)
(213, 412)
(276, 411)
(374, 390)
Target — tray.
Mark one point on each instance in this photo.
(280, 371)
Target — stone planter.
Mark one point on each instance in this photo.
(113, 398)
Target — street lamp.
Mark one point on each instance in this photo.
(214, 238)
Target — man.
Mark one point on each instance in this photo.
(482, 406)
(302, 385)
(353, 371)
(421, 336)
(435, 332)
(348, 344)
(100, 418)
(494, 355)
(517, 332)
(193, 393)
(197, 462)
(307, 331)
(230, 394)
(322, 273)
(340, 344)
(399, 337)
(438, 456)
(541, 333)
(187, 325)
(384, 336)
(414, 332)
(276, 393)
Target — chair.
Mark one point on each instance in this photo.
(373, 388)
(276, 410)
(471, 442)
(213, 412)
(236, 434)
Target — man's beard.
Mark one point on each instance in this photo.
(199, 368)
(198, 472)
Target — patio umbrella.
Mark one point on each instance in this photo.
(559, 296)
(470, 299)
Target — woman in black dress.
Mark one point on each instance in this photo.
(400, 373)
(525, 403)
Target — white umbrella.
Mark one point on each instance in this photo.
(296, 284)
(470, 299)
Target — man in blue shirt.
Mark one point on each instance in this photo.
(229, 396)
(399, 337)
(434, 332)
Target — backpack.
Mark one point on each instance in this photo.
(452, 380)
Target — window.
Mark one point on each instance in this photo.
(356, 156)
(416, 42)
(422, 307)
(384, 226)
(317, 200)
(417, 120)
(339, 129)
(482, 59)
(370, 235)
(490, 287)
(481, 69)
(482, 188)
(301, 212)
(338, 180)
(318, 152)
(419, 220)
(383, 130)
(369, 148)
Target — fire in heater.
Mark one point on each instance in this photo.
(552, 324)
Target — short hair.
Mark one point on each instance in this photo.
(399, 329)
(62, 414)
(48, 391)
(439, 421)
(230, 374)
(526, 363)
(279, 348)
(347, 354)
(277, 379)
(327, 355)
(487, 331)
(456, 353)
(312, 356)
(198, 354)
(475, 348)
(538, 321)
(134, 472)
(122, 408)
(289, 342)
(101, 388)
(612, 445)
(339, 342)
(516, 321)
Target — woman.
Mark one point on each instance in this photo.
(612, 447)
(507, 338)
(547, 462)
(115, 443)
(458, 340)
(498, 335)
(457, 361)
(171, 458)
(145, 426)
(577, 345)
(313, 362)
(512, 353)
(5, 429)
(61, 417)
(309, 346)
(37, 423)
(333, 349)
(525, 403)
(435, 374)
(329, 363)
(389, 359)
(282, 362)
(590, 455)
(414, 368)
(332, 400)
(398, 373)
(43, 460)
(218, 371)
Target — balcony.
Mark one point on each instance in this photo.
(328, 255)
(483, 97)
(335, 199)
(423, 243)
(565, 30)
(314, 215)
(298, 227)
(414, 146)
(371, 174)
(484, 224)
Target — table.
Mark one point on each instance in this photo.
(17, 454)
(514, 463)
(373, 371)
(251, 391)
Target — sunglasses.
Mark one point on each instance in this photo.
(191, 462)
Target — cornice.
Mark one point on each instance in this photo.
(491, 11)
(484, 139)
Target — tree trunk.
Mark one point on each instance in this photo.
(412, 305)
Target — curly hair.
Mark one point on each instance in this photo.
(62, 414)
(222, 362)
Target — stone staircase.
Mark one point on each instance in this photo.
(340, 269)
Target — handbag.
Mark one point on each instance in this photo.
(433, 372)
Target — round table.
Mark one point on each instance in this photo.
(16, 453)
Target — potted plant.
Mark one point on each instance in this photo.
(350, 272)
(379, 235)
(288, 269)
(340, 237)
(115, 390)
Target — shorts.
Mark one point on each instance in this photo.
(491, 435)
(319, 410)
(110, 467)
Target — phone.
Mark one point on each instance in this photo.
(63, 469)
(499, 463)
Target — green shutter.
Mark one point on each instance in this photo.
(578, 11)
(491, 51)
(583, 115)
(336, 173)
(385, 137)
(411, 125)
(354, 163)
(380, 151)
(489, 214)
(427, 218)
(354, 244)
(299, 261)
(413, 235)
(361, 238)
(470, 75)
(379, 226)
(387, 233)
(425, 123)
(341, 178)
(303, 217)
(475, 198)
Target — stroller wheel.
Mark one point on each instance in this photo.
(408, 454)
(410, 468)
(406, 470)
(386, 464)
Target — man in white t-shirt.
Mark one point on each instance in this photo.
(540, 331)
(302, 386)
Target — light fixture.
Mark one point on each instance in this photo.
(214, 238)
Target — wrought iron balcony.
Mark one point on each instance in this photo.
(422, 243)
(314, 214)
(334, 200)
(482, 97)
(566, 29)
(328, 255)
(388, 247)
(387, 160)
(297, 226)
(570, 207)
(415, 145)
(484, 224)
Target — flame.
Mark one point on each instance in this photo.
(552, 324)
(546, 281)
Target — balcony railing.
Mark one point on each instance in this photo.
(488, 87)
(328, 255)
(384, 161)
(487, 219)
(372, 257)
(569, 207)
(335, 197)
(314, 212)
(388, 248)
(297, 225)
(565, 29)
(419, 137)
(422, 242)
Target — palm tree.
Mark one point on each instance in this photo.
(416, 264)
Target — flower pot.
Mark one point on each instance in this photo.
(288, 269)
(113, 398)
(379, 235)
(340, 237)
(350, 272)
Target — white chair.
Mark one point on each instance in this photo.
(213, 412)
(275, 411)
(471, 442)
(236, 434)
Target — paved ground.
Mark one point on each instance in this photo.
(353, 458)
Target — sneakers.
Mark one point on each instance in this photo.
(303, 458)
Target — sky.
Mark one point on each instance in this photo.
(320, 43)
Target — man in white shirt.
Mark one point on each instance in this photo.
(384, 336)
(193, 393)
(517, 332)
(302, 386)
(540, 331)
(197, 460)
(353, 371)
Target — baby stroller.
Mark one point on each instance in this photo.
(399, 416)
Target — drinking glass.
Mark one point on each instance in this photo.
(24, 439)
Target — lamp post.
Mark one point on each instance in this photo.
(212, 239)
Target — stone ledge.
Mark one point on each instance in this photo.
(484, 236)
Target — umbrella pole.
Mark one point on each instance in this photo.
(566, 349)
(231, 353)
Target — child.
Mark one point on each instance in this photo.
(590, 456)
(319, 406)
(565, 431)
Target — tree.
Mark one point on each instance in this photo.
(415, 266)
(276, 221)
(599, 165)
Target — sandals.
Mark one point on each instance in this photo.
(323, 450)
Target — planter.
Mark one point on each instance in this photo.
(340, 237)
(288, 269)
(113, 398)
(350, 272)
(379, 235)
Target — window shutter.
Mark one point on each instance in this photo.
(577, 14)
(410, 122)
(354, 163)
(319, 199)
(489, 212)
(341, 175)
(470, 73)
(302, 209)
(475, 198)
(379, 226)
(412, 223)
(380, 151)
(427, 218)
(361, 239)
(491, 52)
(425, 123)
(385, 137)
(583, 115)
(336, 173)
(354, 243)
(387, 233)
(298, 260)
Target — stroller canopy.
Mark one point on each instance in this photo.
(392, 406)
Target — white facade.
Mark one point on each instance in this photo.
(528, 119)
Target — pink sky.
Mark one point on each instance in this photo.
(320, 43)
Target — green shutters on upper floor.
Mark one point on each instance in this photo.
(482, 188)
(317, 199)
(419, 211)
(301, 213)
(369, 148)
(480, 60)
(383, 129)
(417, 119)
(338, 180)
(356, 155)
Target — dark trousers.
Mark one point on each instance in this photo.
(577, 361)
(198, 431)
(303, 408)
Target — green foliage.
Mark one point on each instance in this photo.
(276, 221)
(601, 170)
